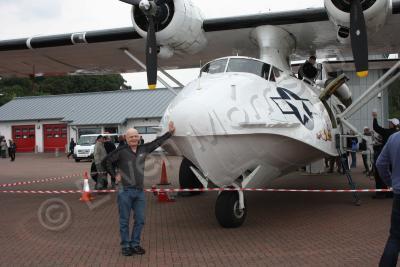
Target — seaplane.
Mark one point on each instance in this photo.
(247, 119)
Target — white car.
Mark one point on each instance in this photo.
(85, 147)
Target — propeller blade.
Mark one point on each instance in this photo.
(358, 37)
(151, 54)
(132, 2)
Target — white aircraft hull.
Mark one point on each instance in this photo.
(229, 129)
(222, 163)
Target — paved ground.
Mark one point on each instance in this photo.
(282, 229)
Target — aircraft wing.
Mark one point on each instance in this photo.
(101, 52)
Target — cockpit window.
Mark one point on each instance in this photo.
(249, 66)
(213, 67)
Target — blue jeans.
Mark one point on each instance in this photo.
(130, 198)
(392, 248)
(353, 159)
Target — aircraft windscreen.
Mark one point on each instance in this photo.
(216, 66)
(87, 140)
(249, 66)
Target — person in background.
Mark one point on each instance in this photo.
(307, 69)
(121, 140)
(3, 148)
(12, 149)
(99, 154)
(72, 145)
(367, 150)
(141, 141)
(109, 147)
(388, 166)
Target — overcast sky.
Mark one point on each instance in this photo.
(23, 18)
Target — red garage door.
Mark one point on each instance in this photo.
(55, 137)
(24, 137)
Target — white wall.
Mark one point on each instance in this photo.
(358, 86)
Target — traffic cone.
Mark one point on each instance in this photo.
(164, 178)
(86, 196)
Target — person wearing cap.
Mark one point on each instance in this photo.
(98, 155)
(385, 133)
(388, 166)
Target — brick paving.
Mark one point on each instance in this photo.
(282, 229)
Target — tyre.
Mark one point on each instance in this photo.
(77, 160)
(187, 179)
(227, 210)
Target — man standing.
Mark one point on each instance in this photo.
(110, 147)
(72, 145)
(12, 149)
(130, 161)
(389, 169)
(98, 155)
(385, 134)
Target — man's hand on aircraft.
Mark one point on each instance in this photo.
(171, 127)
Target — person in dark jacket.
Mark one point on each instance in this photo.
(385, 133)
(110, 147)
(389, 169)
(12, 148)
(72, 145)
(307, 69)
(130, 161)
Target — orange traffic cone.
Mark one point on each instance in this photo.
(86, 196)
(164, 178)
(163, 197)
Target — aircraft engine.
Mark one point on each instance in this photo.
(375, 12)
(178, 27)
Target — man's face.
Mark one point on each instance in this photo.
(132, 137)
(312, 61)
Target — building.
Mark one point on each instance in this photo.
(46, 123)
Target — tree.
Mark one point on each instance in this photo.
(17, 87)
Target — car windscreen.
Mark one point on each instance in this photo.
(87, 140)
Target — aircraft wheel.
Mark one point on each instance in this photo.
(227, 210)
(187, 179)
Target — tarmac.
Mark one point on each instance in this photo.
(281, 229)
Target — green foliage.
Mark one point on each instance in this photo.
(17, 87)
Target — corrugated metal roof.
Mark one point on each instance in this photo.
(112, 107)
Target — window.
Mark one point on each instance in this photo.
(217, 66)
(146, 129)
(249, 66)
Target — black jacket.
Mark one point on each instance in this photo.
(385, 133)
(130, 164)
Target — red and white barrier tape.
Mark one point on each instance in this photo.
(40, 180)
(200, 190)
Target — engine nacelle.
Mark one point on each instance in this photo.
(180, 30)
(375, 13)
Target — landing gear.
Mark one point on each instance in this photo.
(187, 179)
(228, 211)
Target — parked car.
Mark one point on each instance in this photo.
(85, 147)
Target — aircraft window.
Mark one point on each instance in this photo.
(249, 66)
(216, 66)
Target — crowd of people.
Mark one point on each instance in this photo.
(7, 150)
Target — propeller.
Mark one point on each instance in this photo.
(150, 10)
(358, 37)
